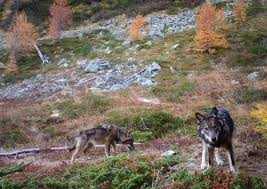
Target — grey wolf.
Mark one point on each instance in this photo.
(216, 131)
(101, 134)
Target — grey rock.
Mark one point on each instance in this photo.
(61, 81)
(126, 43)
(168, 153)
(2, 65)
(110, 81)
(39, 78)
(65, 65)
(145, 82)
(255, 76)
(235, 82)
(149, 43)
(176, 46)
(62, 61)
(95, 66)
(173, 71)
(82, 63)
(151, 70)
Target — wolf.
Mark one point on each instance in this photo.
(101, 134)
(216, 131)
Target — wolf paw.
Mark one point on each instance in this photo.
(220, 162)
(204, 167)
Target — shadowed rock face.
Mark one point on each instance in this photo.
(103, 75)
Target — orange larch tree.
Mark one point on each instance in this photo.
(136, 28)
(209, 23)
(61, 18)
(22, 37)
(240, 11)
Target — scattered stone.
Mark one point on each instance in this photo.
(175, 47)
(2, 65)
(168, 153)
(61, 81)
(62, 61)
(173, 71)
(150, 101)
(82, 63)
(126, 43)
(65, 65)
(151, 70)
(255, 76)
(39, 78)
(108, 51)
(55, 114)
(149, 43)
(131, 59)
(235, 82)
(137, 46)
(95, 66)
(110, 81)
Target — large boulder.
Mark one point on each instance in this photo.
(95, 66)
(255, 76)
(111, 80)
(151, 70)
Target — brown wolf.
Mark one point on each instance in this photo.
(101, 134)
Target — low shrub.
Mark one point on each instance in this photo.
(90, 104)
(250, 95)
(157, 122)
(174, 92)
(144, 136)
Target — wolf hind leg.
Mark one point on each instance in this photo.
(218, 157)
(230, 153)
(85, 151)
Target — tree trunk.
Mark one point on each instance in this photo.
(38, 51)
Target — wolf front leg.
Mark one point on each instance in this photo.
(231, 158)
(204, 163)
(218, 158)
(210, 156)
(107, 149)
(76, 151)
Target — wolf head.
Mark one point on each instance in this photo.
(122, 136)
(210, 127)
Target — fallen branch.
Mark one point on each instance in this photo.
(45, 150)
(32, 150)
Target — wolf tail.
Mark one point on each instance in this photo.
(72, 146)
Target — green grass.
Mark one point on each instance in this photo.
(135, 171)
(250, 95)
(89, 104)
(172, 93)
(159, 123)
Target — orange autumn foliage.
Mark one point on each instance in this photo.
(209, 23)
(136, 28)
(240, 11)
(20, 37)
(61, 18)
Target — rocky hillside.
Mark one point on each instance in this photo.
(151, 87)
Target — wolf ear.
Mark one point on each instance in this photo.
(199, 117)
(214, 112)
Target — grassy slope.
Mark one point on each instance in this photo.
(194, 87)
